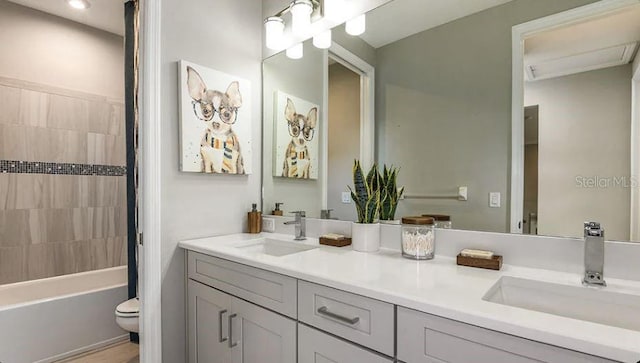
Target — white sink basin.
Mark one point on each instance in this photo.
(590, 304)
(274, 247)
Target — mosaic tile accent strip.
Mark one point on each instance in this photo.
(36, 167)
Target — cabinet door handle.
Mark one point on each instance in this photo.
(231, 343)
(220, 338)
(325, 311)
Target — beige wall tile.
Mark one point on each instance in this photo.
(59, 146)
(34, 107)
(12, 265)
(68, 113)
(14, 142)
(9, 105)
(40, 261)
(99, 117)
(116, 120)
(7, 192)
(14, 228)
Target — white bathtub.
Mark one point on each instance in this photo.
(50, 319)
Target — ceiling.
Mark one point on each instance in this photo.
(402, 18)
(107, 15)
(602, 42)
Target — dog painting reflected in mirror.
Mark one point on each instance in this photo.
(297, 156)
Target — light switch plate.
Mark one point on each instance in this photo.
(494, 199)
(268, 224)
(346, 197)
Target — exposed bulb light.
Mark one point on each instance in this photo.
(274, 30)
(356, 26)
(301, 16)
(323, 40)
(79, 4)
(295, 52)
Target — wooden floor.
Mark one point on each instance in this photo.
(118, 353)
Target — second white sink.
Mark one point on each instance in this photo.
(274, 247)
(596, 305)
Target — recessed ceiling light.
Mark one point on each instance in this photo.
(79, 4)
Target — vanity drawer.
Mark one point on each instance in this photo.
(315, 346)
(362, 320)
(271, 290)
(425, 338)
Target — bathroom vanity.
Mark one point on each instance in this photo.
(267, 298)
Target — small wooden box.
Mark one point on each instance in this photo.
(335, 242)
(494, 263)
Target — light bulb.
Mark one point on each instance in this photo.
(274, 29)
(79, 4)
(323, 40)
(357, 25)
(295, 52)
(301, 16)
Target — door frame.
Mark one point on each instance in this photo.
(367, 110)
(518, 35)
(635, 154)
(150, 252)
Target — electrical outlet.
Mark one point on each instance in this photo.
(346, 197)
(268, 224)
(494, 199)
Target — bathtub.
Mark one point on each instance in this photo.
(50, 319)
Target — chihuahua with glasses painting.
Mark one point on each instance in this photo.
(219, 147)
(297, 163)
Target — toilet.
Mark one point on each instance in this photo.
(128, 315)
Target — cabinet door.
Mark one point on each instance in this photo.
(315, 346)
(208, 311)
(257, 335)
(425, 338)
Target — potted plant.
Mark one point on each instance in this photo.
(389, 195)
(365, 233)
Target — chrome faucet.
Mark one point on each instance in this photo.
(301, 225)
(593, 254)
(325, 213)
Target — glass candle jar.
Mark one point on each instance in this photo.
(442, 220)
(418, 238)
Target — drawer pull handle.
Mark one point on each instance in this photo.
(220, 338)
(325, 311)
(231, 343)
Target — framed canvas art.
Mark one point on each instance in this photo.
(215, 121)
(296, 137)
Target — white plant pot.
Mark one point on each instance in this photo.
(393, 221)
(365, 237)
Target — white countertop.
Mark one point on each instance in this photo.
(438, 287)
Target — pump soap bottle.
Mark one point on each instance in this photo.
(255, 219)
(277, 211)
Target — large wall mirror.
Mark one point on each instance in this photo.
(540, 147)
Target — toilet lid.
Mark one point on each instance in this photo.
(129, 307)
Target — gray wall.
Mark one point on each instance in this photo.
(301, 78)
(344, 137)
(58, 52)
(224, 35)
(446, 93)
(584, 123)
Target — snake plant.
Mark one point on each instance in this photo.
(366, 193)
(389, 193)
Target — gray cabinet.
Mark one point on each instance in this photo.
(225, 329)
(315, 346)
(425, 338)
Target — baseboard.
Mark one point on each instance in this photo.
(88, 348)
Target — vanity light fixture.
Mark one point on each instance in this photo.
(301, 16)
(274, 29)
(296, 52)
(323, 40)
(79, 4)
(357, 25)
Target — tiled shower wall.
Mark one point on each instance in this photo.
(62, 182)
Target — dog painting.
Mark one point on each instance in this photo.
(215, 123)
(296, 138)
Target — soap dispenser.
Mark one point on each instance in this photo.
(255, 219)
(277, 211)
